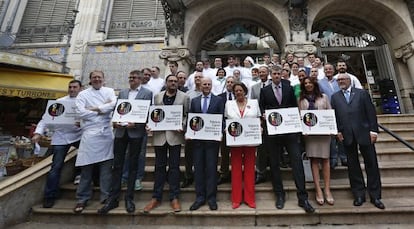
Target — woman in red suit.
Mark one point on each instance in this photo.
(242, 156)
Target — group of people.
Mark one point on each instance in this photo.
(236, 94)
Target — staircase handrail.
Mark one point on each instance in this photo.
(396, 136)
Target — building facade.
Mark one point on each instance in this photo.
(375, 37)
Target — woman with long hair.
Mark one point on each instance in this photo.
(317, 146)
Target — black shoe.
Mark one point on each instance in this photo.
(187, 182)
(48, 202)
(333, 165)
(129, 206)
(344, 162)
(359, 201)
(306, 206)
(280, 202)
(196, 205)
(377, 203)
(283, 165)
(212, 205)
(110, 204)
(259, 179)
(222, 180)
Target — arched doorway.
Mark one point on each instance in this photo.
(367, 56)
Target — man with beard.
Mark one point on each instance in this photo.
(341, 67)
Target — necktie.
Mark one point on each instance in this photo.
(278, 94)
(346, 94)
(263, 85)
(205, 107)
(230, 98)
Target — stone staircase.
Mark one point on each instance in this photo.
(397, 169)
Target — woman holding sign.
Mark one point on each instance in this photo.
(242, 156)
(317, 146)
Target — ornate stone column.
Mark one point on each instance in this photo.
(405, 53)
(174, 12)
(300, 50)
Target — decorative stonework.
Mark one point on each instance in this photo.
(405, 52)
(29, 62)
(300, 50)
(174, 12)
(410, 6)
(298, 17)
(177, 54)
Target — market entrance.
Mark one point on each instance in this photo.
(367, 57)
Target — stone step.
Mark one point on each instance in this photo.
(402, 132)
(391, 188)
(394, 154)
(398, 210)
(395, 118)
(390, 143)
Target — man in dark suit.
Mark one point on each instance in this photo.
(224, 171)
(128, 134)
(205, 152)
(279, 94)
(357, 127)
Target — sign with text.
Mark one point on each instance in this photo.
(243, 132)
(283, 121)
(204, 126)
(134, 110)
(318, 122)
(60, 112)
(168, 117)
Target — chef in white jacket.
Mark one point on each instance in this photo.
(94, 106)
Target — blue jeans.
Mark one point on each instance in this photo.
(164, 155)
(141, 161)
(53, 178)
(84, 191)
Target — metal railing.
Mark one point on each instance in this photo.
(396, 136)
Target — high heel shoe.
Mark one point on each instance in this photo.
(329, 199)
(251, 205)
(319, 200)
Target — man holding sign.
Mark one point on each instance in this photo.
(205, 152)
(62, 139)
(279, 94)
(167, 144)
(130, 135)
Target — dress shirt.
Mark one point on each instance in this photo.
(133, 92)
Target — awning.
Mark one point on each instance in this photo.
(23, 84)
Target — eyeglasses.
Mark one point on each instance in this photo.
(134, 77)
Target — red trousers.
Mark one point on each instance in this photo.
(243, 158)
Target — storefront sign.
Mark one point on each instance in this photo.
(342, 41)
(243, 132)
(133, 110)
(283, 121)
(30, 93)
(204, 126)
(318, 122)
(169, 117)
(60, 112)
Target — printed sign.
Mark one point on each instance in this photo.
(60, 112)
(134, 110)
(204, 126)
(243, 132)
(168, 117)
(318, 122)
(283, 121)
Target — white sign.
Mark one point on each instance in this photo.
(318, 122)
(168, 117)
(60, 112)
(204, 126)
(243, 132)
(283, 121)
(133, 110)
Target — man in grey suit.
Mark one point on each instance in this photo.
(358, 128)
(167, 145)
(127, 134)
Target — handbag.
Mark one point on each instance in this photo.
(307, 168)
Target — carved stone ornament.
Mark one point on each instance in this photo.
(300, 50)
(405, 52)
(174, 12)
(175, 54)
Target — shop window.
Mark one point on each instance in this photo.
(136, 19)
